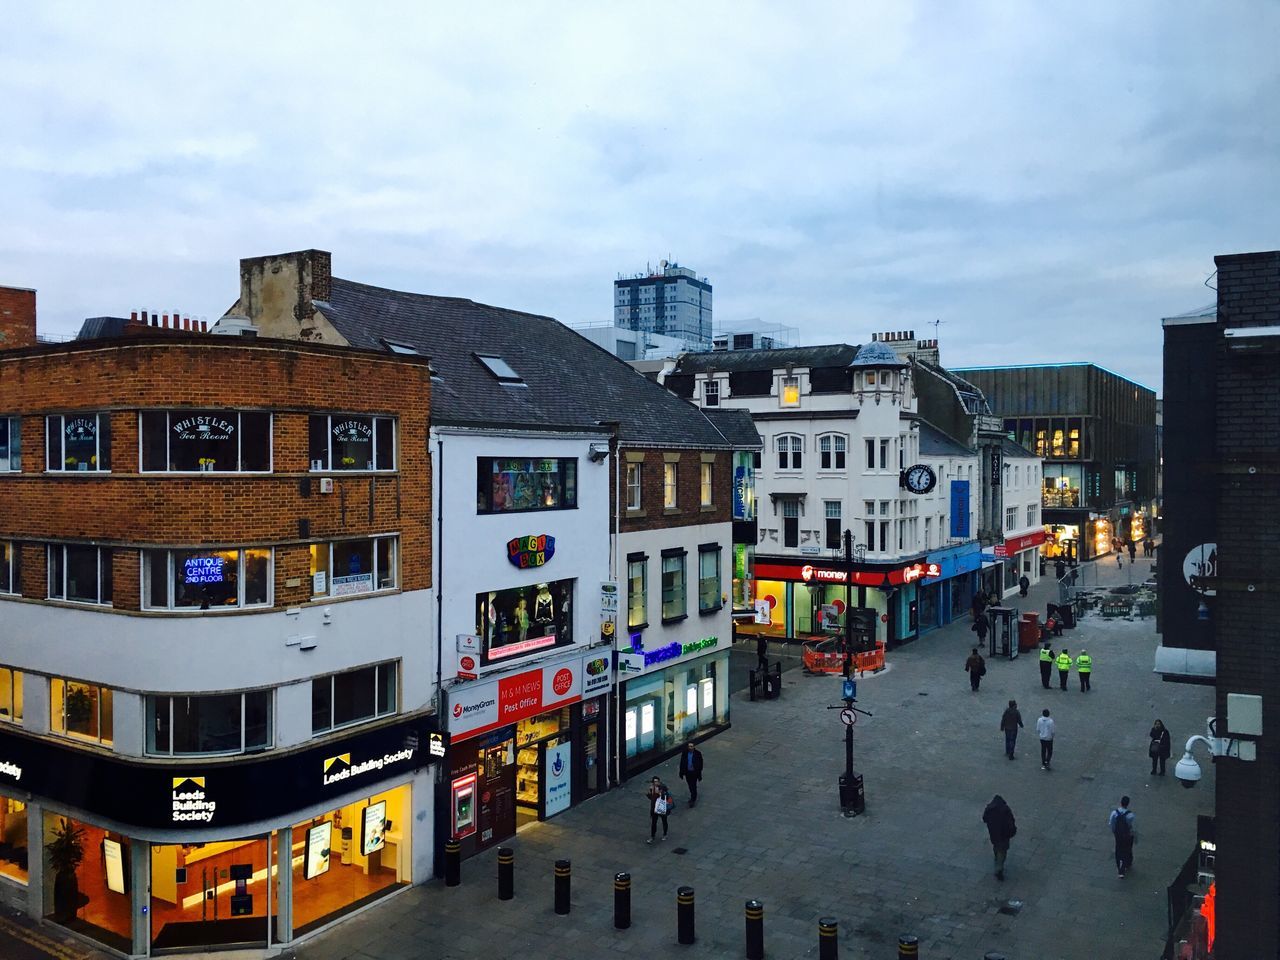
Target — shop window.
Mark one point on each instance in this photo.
(831, 451)
(522, 484)
(637, 591)
(205, 440)
(10, 567)
(89, 888)
(10, 444)
(13, 839)
(79, 574)
(705, 486)
(831, 511)
(1010, 518)
(10, 695)
(346, 568)
(709, 578)
(663, 710)
(669, 486)
(209, 724)
(348, 441)
(633, 486)
(711, 393)
(674, 603)
(353, 696)
(351, 855)
(206, 579)
(789, 449)
(78, 442)
(80, 710)
(790, 393)
(521, 620)
(790, 522)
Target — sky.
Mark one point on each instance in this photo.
(1047, 180)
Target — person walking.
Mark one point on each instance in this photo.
(1084, 667)
(1121, 823)
(1046, 666)
(659, 807)
(1133, 550)
(976, 667)
(691, 770)
(1023, 585)
(1010, 721)
(1064, 668)
(1044, 730)
(980, 628)
(1119, 560)
(762, 653)
(978, 605)
(1159, 749)
(1002, 828)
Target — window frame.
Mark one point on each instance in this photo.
(329, 545)
(168, 414)
(146, 578)
(635, 493)
(150, 704)
(378, 680)
(638, 561)
(785, 385)
(328, 466)
(869, 448)
(710, 550)
(1032, 517)
(1011, 518)
(680, 559)
(838, 517)
(706, 484)
(566, 475)
(789, 448)
(95, 466)
(790, 513)
(11, 584)
(12, 461)
(14, 713)
(670, 485)
(711, 392)
(832, 451)
(62, 597)
(59, 727)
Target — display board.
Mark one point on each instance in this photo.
(373, 827)
(113, 861)
(319, 843)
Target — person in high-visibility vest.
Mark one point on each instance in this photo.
(1064, 668)
(1084, 667)
(1046, 666)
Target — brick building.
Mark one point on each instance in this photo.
(1217, 575)
(215, 565)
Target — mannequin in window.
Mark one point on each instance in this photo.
(544, 607)
(521, 617)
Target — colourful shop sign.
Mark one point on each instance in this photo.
(533, 551)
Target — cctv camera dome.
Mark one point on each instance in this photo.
(1187, 771)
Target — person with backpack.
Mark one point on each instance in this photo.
(1010, 722)
(1001, 828)
(976, 667)
(1121, 822)
(1044, 730)
(1023, 585)
(659, 807)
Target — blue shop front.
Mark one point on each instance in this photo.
(947, 596)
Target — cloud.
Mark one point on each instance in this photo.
(1048, 182)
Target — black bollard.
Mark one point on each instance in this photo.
(452, 863)
(506, 873)
(562, 887)
(828, 942)
(684, 915)
(622, 900)
(755, 930)
(908, 947)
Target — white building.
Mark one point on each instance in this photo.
(673, 300)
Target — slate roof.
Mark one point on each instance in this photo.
(935, 443)
(1011, 448)
(95, 328)
(568, 381)
(728, 361)
(737, 426)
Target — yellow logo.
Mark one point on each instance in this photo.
(194, 781)
(342, 758)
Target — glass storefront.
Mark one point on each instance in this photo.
(13, 839)
(351, 856)
(775, 593)
(520, 620)
(534, 737)
(86, 881)
(209, 893)
(666, 708)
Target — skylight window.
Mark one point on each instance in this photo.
(397, 347)
(500, 369)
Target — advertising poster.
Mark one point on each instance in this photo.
(373, 827)
(113, 860)
(558, 780)
(319, 843)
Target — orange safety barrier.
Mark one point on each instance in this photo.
(824, 656)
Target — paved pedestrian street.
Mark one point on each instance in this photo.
(918, 862)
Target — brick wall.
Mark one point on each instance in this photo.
(689, 510)
(17, 318)
(1248, 509)
(129, 509)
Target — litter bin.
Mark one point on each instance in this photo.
(1029, 631)
(852, 796)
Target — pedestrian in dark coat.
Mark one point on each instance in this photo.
(762, 653)
(1059, 569)
(1002, 828)
(1010, 721)
(1122, 827)
(1023, 585)
(1159, 749)
(1133, 550)
(976, 667)
(659, 807)
(1046, 666)
(691, 770)
(980, 628)
(978, 605)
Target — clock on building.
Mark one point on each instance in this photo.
(919, 478)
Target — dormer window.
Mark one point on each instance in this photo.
(396, 346)
(501, 370)
(789, 395)
(711, 393)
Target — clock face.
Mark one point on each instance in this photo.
(921, 478)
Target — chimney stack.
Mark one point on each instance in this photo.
(17, 318)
